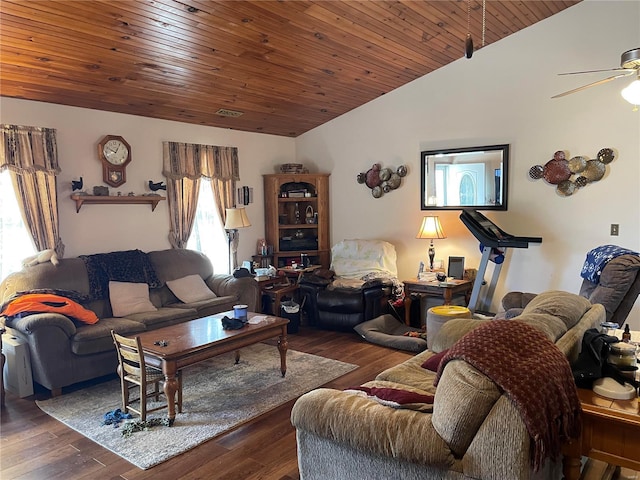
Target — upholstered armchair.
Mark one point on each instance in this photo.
(616, 288)
(362, 279)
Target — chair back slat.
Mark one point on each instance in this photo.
(130, 355)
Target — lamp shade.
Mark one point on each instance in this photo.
(631, 93)
(431, 228)
(236, 218)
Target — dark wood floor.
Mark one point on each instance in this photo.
(35, 446)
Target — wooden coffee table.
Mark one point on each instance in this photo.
(197, 340)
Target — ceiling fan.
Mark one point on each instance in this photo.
(629, 65)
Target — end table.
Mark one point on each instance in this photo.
(446, 290)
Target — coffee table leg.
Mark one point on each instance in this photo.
(237, 357)
(170, 389)
(282, 348)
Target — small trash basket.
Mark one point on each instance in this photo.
(438, 316)
(291, 311)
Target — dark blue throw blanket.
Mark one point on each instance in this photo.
(128, 266)
(598, 258)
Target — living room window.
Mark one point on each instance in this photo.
(15, 242)
(208, 235)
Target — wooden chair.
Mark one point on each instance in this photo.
(134, 373)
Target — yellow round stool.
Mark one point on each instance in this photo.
(437, 316)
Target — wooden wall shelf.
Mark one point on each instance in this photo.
(152, 200)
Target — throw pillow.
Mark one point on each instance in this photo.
(190, 289)
(432, 363)
(127, 298)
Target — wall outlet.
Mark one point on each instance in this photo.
(614, 229)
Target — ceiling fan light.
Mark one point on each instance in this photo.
(631, 93)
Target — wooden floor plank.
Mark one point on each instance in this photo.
(36, 446)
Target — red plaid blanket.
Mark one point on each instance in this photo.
(533, 373)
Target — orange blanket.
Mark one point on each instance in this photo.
(45, 302)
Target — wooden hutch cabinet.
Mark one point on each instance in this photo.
(297, 217)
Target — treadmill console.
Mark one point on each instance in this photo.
(490, 235)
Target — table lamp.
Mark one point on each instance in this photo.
(431, 229)
(236, 218)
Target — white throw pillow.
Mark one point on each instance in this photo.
(190, 289)
(127, 298)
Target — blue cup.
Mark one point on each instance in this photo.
(240, 312)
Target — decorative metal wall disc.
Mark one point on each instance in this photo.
(606, 155)
(556, 171)
(577, 164)
(594, 170)
(570, 175)
(566, 188)
(535, 172)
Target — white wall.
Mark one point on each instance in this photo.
(104, 228)
(502, 95)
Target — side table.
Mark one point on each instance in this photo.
(610, 433)
(446, 290)
(277, 288)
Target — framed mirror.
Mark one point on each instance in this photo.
(460, 178)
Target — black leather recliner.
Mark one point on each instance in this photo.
(343, 309)
(364, 283)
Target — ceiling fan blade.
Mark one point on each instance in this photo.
(599, 82)
(631, 70)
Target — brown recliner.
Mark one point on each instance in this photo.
(617, 290)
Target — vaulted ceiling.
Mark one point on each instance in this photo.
(288, 66)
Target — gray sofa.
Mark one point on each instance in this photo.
(64, 352)
(473, 431)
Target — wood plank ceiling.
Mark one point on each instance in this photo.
(289, 66)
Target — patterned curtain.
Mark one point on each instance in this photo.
(31, 156)
(184, 165)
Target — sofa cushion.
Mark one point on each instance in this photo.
(566, 307)
(551, 326)
(452, 331)
(97, 338)
(463, 400)
(411, 373)
(179, 262)
(164, 315)
(204, 305)
(127, 298)
(190, 289)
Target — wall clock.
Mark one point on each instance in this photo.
(115, 154)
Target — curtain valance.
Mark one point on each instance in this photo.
(191, 160)
(28, 149)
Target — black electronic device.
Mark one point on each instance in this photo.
(456, 267)
(490, 235)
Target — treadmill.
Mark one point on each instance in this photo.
(490, 236)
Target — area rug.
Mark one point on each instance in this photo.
(218, 395)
